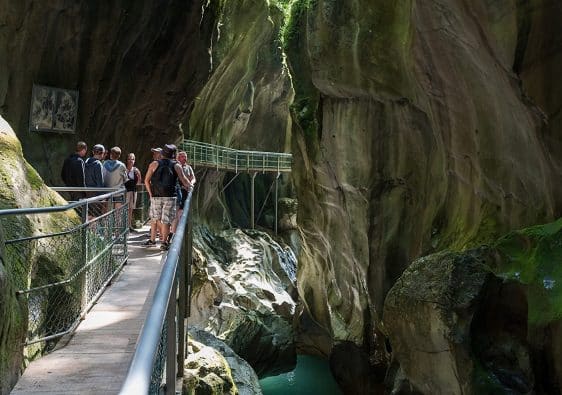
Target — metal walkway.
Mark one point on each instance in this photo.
(239, 161)
(96, 358)
(228, 159)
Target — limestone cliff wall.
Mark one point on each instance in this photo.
(24, 265)
(421, 128)
(137, 67)
(245, 103)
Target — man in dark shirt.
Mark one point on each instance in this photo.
(72, 173)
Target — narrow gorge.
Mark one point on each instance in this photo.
(419, 245)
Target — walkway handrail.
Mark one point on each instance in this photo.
(89, 254)
(57, 209)
(224, 158)
(159, 330)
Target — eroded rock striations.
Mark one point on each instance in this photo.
(416, 132)
(243, 289)
(415, 126)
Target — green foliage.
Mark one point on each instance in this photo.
(296, 13)
(532, 256)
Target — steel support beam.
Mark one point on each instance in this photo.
(252, 200)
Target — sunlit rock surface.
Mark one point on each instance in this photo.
(243, 286)
(21, 268)
(213, 368)
(415, 126)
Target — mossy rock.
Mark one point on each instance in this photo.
(27, 263)
(532, 256)
(491, 318)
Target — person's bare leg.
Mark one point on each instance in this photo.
(164, 230)
(153, 225)
(175, 221)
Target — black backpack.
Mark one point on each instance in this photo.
(163, 180)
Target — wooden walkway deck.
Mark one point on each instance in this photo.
(96, 358)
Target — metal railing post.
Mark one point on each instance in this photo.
(252, 198)
(188, 266)
(276, 193)
(83, 257)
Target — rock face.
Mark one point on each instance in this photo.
(243, 283)
(22, 187)
(482, 321)
(137, 67)
(417, 130)
(210, 358)
(245, 103)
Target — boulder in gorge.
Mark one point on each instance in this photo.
(481, 321)
(212, 367)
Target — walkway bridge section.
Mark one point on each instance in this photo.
(240, 161)
(112, 317)
(228, 159)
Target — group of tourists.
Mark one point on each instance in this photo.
(168, 181)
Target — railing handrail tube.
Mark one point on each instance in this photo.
(140, 371)
(58, 209)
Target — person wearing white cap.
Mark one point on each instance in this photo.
(93, 168)
(93, 173)
(156, 153)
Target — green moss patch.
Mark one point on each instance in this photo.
(533, 256)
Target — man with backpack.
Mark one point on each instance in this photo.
(160, 182)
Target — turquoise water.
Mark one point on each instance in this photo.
(312, 376)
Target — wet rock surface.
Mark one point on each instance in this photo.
(243, 287)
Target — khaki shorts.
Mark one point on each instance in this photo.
(163, 209)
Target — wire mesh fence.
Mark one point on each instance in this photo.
(159, 366)
(62, 272)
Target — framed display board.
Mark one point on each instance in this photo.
(53, 109)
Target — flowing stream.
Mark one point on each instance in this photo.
(311, 376)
